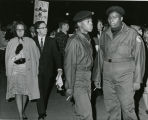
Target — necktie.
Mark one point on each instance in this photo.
(42, 44)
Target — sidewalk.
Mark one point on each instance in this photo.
(58, 107)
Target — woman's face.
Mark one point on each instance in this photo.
(146, 35)
(140, 31)
(86, 25)
(99, 26)
(20, 30)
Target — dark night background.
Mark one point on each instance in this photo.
(136, 11)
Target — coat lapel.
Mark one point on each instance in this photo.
(45, 43)
(86, 44)
(37, 43)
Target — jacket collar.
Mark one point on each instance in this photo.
(83, 37)
(123, 30)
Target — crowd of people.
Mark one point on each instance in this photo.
(34, 61)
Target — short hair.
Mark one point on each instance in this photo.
(37, 24)
(32, 26)
(63, 23)
(117, 9)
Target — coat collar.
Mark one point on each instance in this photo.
(83, 37)
(123, 30)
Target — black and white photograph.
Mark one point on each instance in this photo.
(73, 60)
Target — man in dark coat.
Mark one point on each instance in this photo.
(61, 38)
(50, 58)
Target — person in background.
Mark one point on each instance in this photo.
(10, 31)
(139, 93)
(96, 39)
(22, 60)
(99, 33)
(138, 29)
(78, 62)
(49, 60)
(32, 32)
(123, 65)
(145, 79)
(61, 38)
(3, 41)
(52, 34)
(3, 44)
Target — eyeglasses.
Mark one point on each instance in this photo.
(20, 30)
(43, 28)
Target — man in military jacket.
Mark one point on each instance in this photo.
(78, 63)
(123, 66)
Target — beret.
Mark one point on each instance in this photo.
(117, 9)
(82, 15)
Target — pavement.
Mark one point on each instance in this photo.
(58, 107)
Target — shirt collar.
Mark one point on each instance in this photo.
(39, 39)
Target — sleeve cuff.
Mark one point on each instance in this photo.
(59, 69)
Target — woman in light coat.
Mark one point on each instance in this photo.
(22, 60)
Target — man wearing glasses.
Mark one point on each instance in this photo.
(49, 56)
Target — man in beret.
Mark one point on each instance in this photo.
(78, 63)
(123, 65)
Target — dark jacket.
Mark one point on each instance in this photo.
(61, 39)
(50, 57)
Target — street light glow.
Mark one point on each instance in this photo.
(67, 14)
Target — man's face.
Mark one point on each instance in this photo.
(42, 29)
(86, 25)
(66, 27)
(32, 29)
(115, 19)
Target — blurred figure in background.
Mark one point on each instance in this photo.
(22, 60)
(96, 39)
(3, 41)
(99, 33)
(3, 44)
(10, 31)
(52, 34)
(145, 79)
(32, 32)
(138, 29)
(61, 38)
